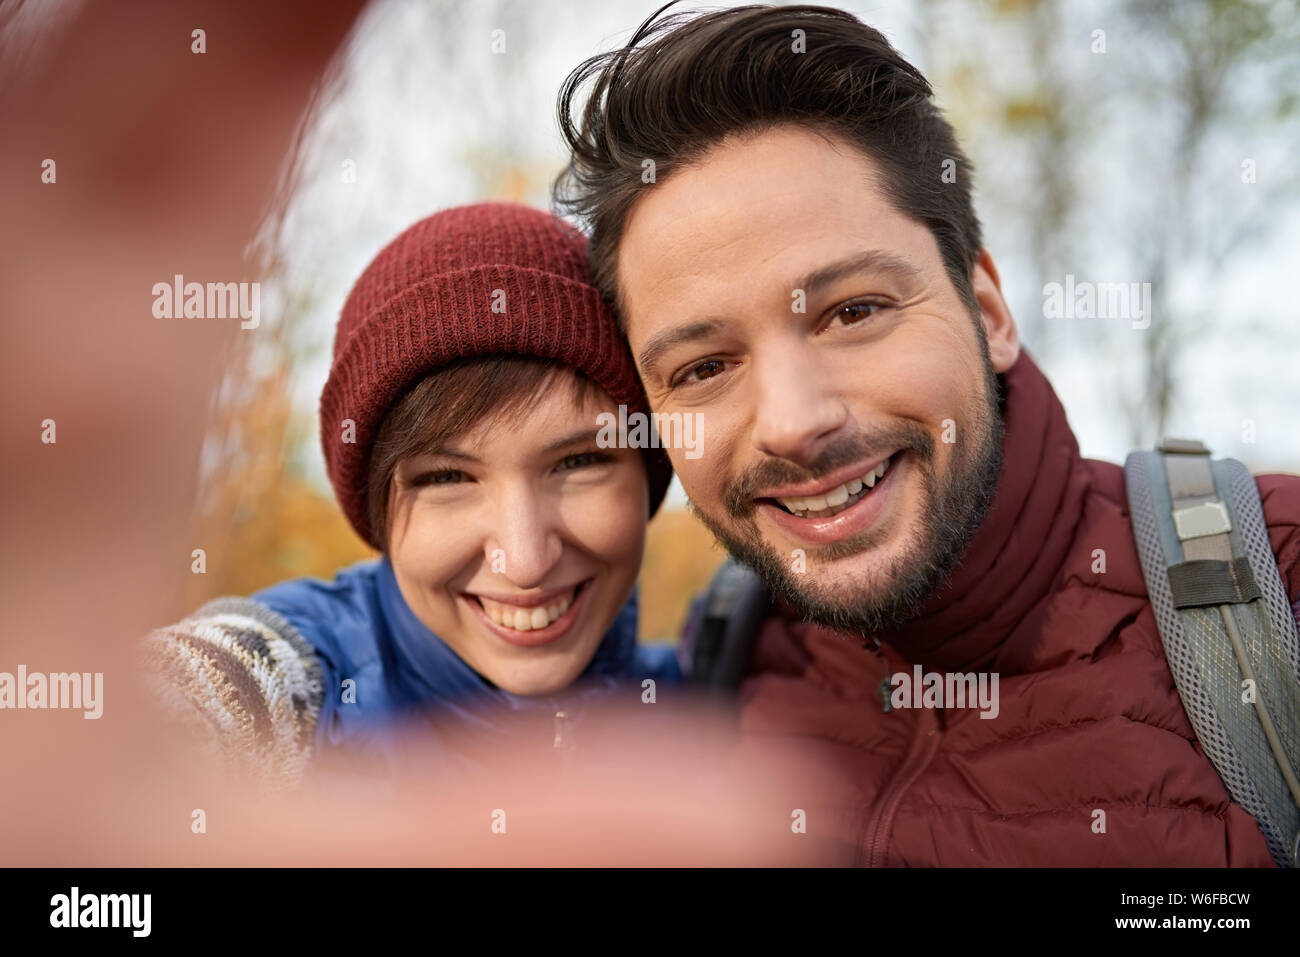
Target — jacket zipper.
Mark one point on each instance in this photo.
(563, 744)
(561, 729)
(925, 741)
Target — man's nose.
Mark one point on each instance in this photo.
(798, 409)
(526, 541)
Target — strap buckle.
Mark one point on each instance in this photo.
(1198, 521)
(1173, 446)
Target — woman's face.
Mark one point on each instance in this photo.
(520, 541)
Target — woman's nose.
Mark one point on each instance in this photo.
(526, 544)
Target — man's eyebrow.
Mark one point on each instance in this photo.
(663, 341)
(874, 260)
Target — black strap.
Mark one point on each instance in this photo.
(1205, 582)
(732, 613)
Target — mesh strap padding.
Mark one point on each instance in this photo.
(1205, 667)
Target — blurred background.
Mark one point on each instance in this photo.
(1112, 142)
(1130, 142)
(1117, 142)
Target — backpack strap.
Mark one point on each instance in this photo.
(1228, 629)
(724, 626)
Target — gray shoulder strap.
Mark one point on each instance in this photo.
(1227, 627)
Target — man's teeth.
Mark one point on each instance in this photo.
(837, 499)
(525, 619)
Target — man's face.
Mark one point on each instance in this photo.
(772, 288)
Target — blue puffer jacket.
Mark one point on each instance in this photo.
(362, 629)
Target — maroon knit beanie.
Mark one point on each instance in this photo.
(487, 279)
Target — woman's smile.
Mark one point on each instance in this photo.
(527, 620)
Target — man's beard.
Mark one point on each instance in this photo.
(950, 514)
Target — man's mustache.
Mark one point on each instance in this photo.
(739, 501)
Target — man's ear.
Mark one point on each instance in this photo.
(995, 316)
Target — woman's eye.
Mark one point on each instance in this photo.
(441, 477)
(582, 460)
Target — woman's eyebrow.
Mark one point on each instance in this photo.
(444, 452)
(584, 435)
(573, 438)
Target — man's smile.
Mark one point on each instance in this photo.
(824, 497)
(840, 508)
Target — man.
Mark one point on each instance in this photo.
(784, 222)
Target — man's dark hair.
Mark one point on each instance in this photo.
(685, 82)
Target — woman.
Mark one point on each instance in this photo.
(459, 422)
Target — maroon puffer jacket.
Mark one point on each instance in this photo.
(1089, 719)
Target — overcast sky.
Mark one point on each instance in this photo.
(431, 117)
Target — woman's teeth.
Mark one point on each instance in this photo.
(520, 618)
(837, 499)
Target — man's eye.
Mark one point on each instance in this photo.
(703, 370)
(582, 460)
(855, 312)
